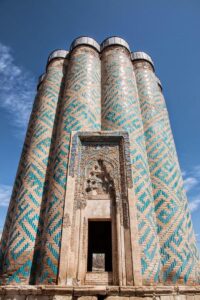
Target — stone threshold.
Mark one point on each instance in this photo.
(106, 291)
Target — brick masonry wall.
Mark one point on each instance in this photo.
(32, 233)
(121, 111)
(80, 110)
(21, 226)
(177, 242)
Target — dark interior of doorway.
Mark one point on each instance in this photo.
(100, 241)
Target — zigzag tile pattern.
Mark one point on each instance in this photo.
(80, 111)
(180, 260)
(82, 94)
(22, 222)
(121, 111)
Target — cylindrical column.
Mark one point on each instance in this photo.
(177, 244)
(22, 220)
(80, 110)
(121, 111)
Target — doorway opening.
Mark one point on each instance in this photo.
(99, 246)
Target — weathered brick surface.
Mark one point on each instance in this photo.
(121, 111)
(21, 227)
(80, 110)
(99, 145)
(179, 254)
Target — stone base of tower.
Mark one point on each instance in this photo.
(99, 293)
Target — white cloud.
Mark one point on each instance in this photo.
(192, 187)
(190, 183)
(183, 172)
(17, 88)
(5, 194)
(196, 171)
(194, 204)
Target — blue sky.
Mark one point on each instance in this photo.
(167, 30)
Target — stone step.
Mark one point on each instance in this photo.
(98, 278)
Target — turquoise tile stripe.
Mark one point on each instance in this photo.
(17, 249)
(179, 255)
(121, 111)
(80, 110)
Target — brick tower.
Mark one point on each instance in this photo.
(98, 206)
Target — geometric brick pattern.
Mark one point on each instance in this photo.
(82, 93)
(179, 255)
(80, 110)
(22, 222)
(121, 110)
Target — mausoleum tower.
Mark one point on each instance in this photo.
(98, 198)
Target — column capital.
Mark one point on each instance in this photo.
(114, 41)
(85, 40)
(142, 56)
(59, 53)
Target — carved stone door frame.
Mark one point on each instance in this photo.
(72, 266)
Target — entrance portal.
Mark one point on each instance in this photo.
(99, 246)
(96, 236)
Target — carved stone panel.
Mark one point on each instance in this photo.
(102, 171)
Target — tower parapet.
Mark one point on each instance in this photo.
(59, 53)
(114, 41)
(142, 56)
(83, 40)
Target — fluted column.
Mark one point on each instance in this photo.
(121, 111)
(80, 110)
(22, 220)
(177, 244)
